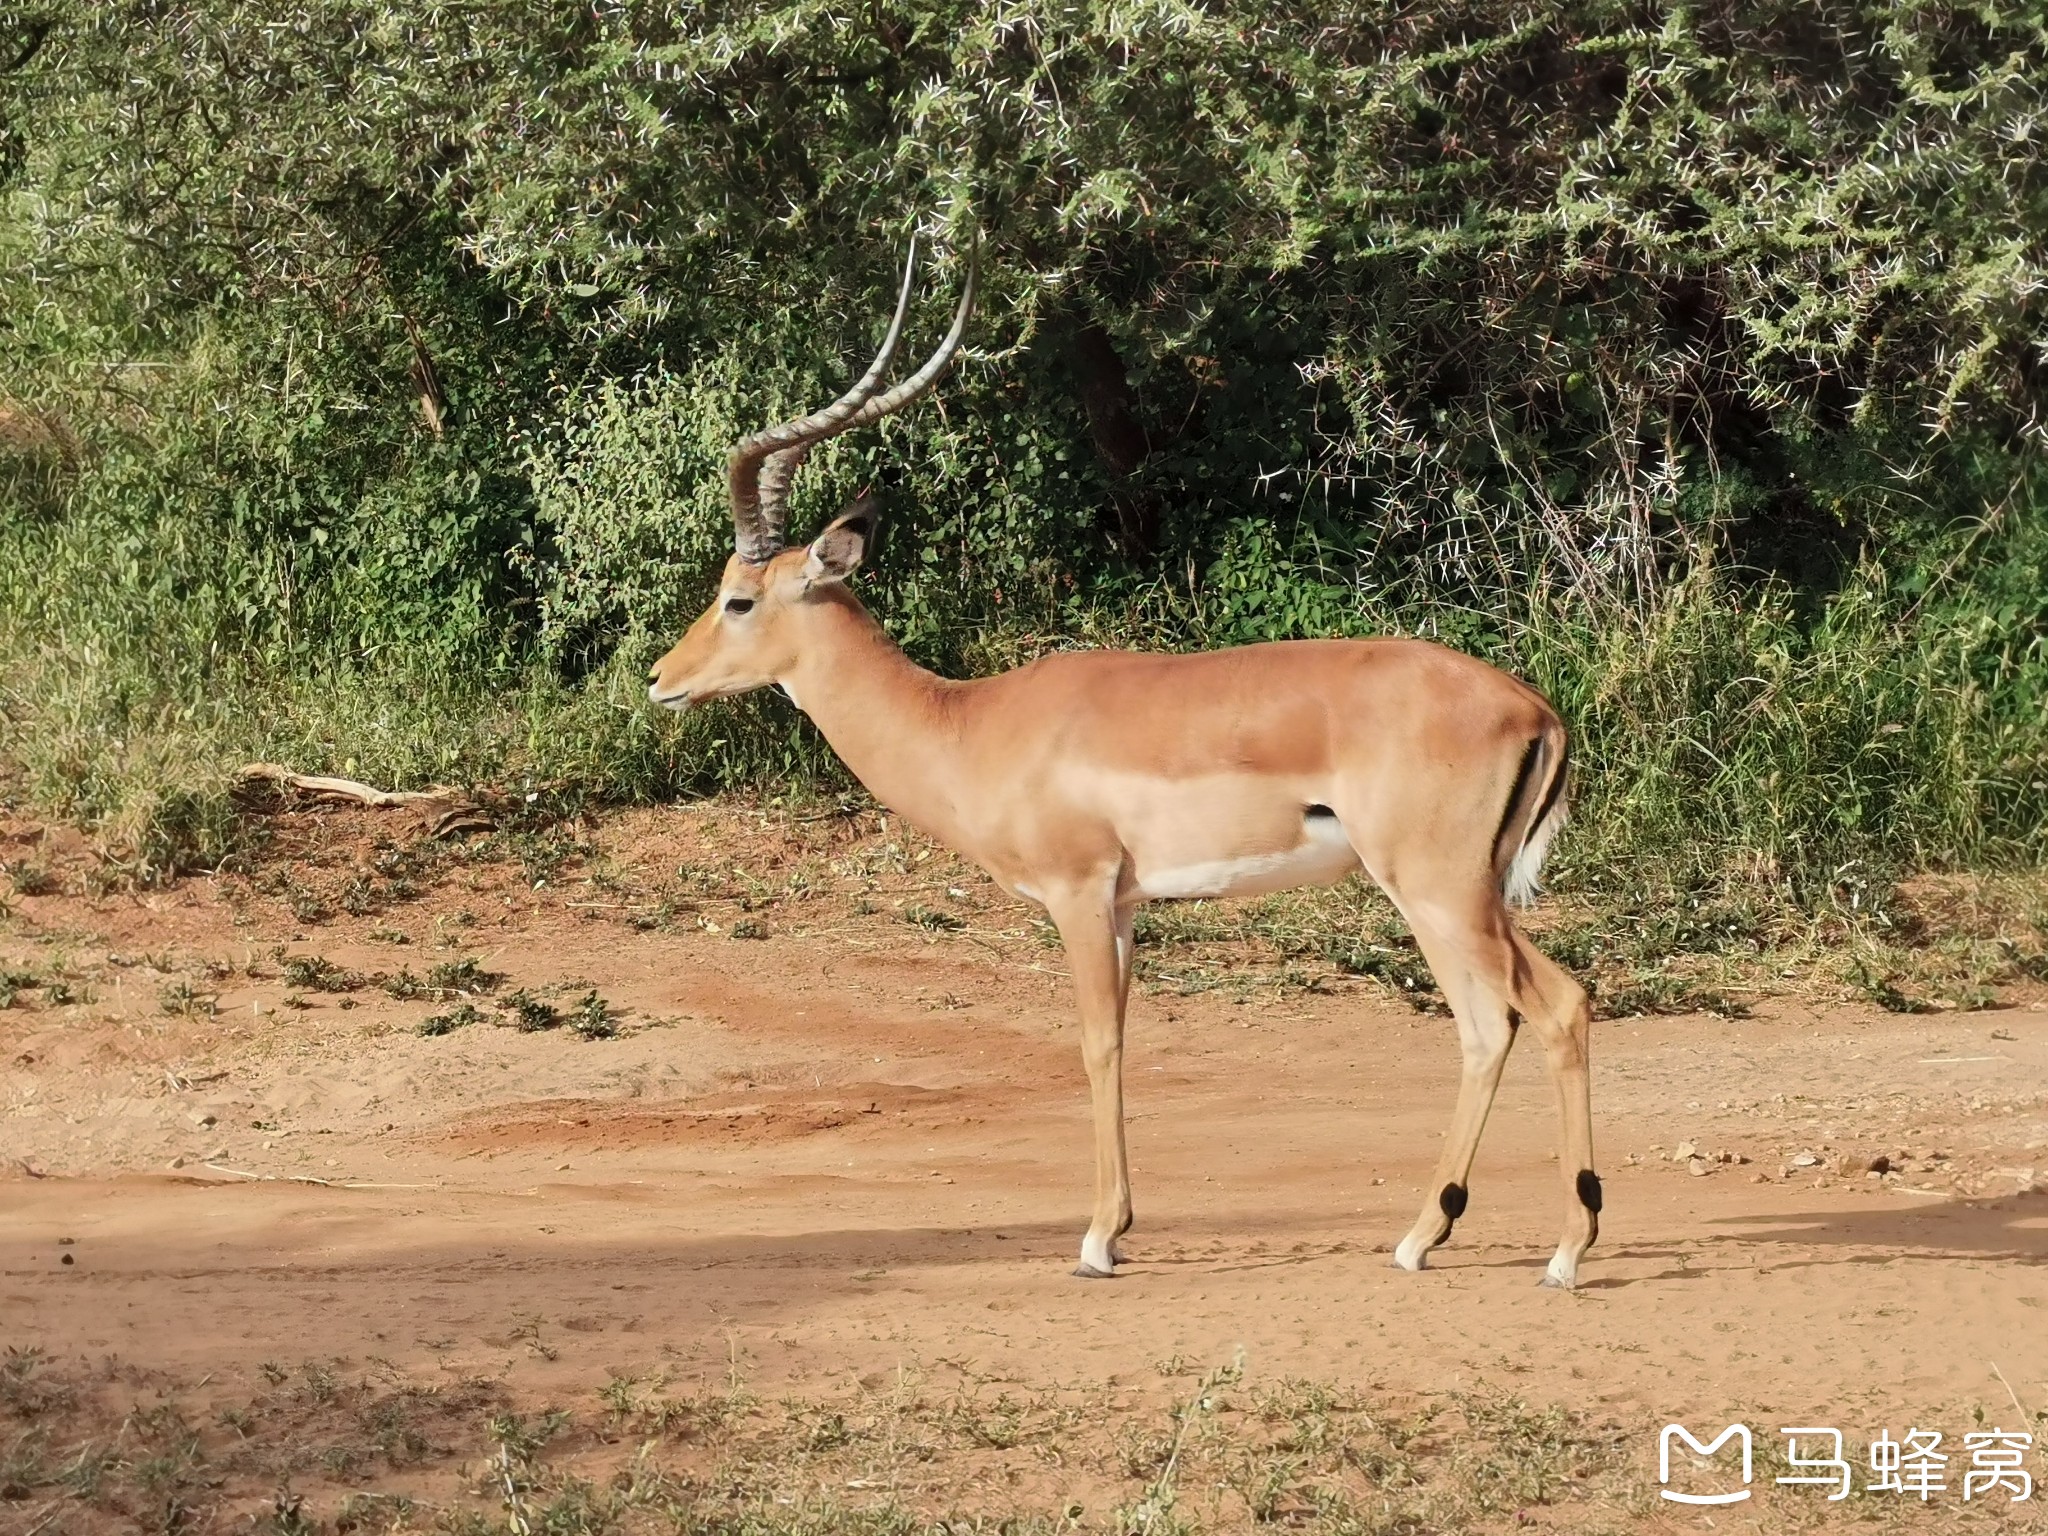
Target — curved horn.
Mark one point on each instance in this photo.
(782, 464)
(920, 382)
(759, 468)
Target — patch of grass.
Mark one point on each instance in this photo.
(405, 986)
(14, 982)
(527, 1012)
(1660, 992)
(1223, 1453)
(316, 973)
(540, 853)
(932, 919)
(182, 998)
(459, 1017)
(120, 1450)
(466, 976)
(307, 906)
(27, 1389)
(593, 1018)
(1884, 990)
(1397, 965)
(30, 878)
(442, 983)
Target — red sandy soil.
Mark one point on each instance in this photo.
(854, 1146)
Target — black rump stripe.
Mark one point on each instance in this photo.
(1507, 814)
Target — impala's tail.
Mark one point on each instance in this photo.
(1535, 810)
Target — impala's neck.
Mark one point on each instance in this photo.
(886, 717)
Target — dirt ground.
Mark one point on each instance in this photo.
(839, 1133)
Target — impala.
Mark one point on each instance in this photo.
(1091, 782)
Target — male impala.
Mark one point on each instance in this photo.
(1092, 781)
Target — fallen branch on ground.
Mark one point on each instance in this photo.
(449, 812)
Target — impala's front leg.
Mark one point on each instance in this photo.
(1097, 936)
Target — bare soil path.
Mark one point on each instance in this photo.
(857, 1144)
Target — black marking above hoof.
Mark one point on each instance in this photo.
(1514, 1022)
(1451, 1201)
(1090, 1272)
(1589, 1190)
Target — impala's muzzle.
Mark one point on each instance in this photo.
(677, 701)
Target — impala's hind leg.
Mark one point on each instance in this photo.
(1495, 978)
(1556, 1006)
(1486, 1031)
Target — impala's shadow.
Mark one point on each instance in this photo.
(2010, 1230)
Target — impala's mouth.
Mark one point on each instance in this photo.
(675, 701)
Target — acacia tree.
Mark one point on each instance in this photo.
(1448, 293)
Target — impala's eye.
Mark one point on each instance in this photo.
(738, 604)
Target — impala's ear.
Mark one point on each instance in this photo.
(838, 551)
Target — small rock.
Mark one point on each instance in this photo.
(1699, 1167)
(1684, 1150)
(1880, 1164)
(203, 1120)
(177, 1162)
(1804, 1160)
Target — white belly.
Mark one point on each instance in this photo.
(1323, 857)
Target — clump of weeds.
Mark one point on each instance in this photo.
(316, 973)
(593, 1018)
(528, 1013)
(459, 1017)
